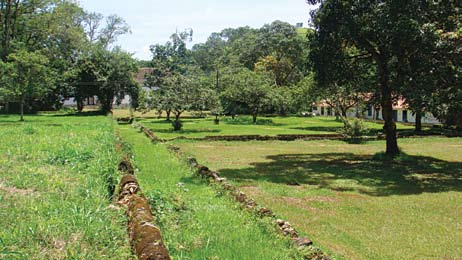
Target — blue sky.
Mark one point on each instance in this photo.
(154, 21)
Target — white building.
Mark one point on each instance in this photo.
(401, 113)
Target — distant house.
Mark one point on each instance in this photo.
(401, 112)
(140, 78)
(89, 101)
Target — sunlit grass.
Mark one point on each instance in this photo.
(353, 205)
(198, 221)
(54, 177)
(243, 125)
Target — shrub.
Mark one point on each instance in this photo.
(353, 128)
(177, 125)
(246, 120)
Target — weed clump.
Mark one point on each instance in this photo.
(245, 120)
(353, 128)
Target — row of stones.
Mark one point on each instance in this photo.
(291, 137)
(145, 237)
(284, 227)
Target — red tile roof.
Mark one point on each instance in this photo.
(139, 77)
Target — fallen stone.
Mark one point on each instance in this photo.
(280, 222)
(302, 241)
(192, 161)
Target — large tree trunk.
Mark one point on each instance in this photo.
(254, 118)
(387, 111)
(418, 121)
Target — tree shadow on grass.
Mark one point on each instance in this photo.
(186, 131)
(80, 114)
(165, 122)
(331, 129)
(245, 120)
(360, 173)
(369, 131)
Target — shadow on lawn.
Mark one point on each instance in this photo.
(186, 131)
(350, 172)
(80, 114)
(335, 129)
(245, 120)
(165, 122)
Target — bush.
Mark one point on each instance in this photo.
(177, 125)
(247, 120)
(353, 128)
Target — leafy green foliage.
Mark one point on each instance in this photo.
(353, 128)
(106, 74)
(245, 90)
(27, 76)
(396, 39)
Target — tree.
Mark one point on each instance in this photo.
(180, 93)
(91, 23)
(446, 101)
(247, 89)
(171, 59)
(107, 75)
(27, 76)
(115, 27)
(386, 32)
(284, 56)
(119, 79)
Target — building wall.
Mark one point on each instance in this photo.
(428, 118)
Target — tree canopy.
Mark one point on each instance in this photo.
(55, 38)
(390, 36)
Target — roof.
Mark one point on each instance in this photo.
(400, 103)
(139, 77)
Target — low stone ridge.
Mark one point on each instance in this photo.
(283, 137)
(285, 227)
(145, 236)
(125, 120)
(150, 134)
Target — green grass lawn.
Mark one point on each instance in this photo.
(349, 203)
(197, 220)
(54, 177)
(265, 126)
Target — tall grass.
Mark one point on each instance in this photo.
(55, 174)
